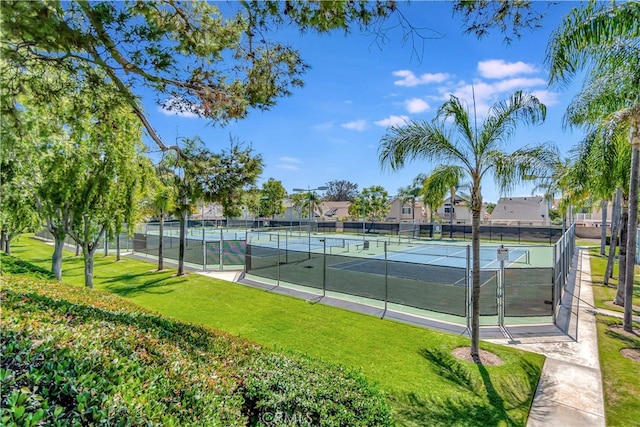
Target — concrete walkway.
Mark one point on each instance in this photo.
(570, 389)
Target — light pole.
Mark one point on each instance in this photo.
(363, 217)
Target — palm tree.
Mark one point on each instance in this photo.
(433, 196)
(443, 179)
(411, 192)
(477, 153)
(602, 165)
(603, 39)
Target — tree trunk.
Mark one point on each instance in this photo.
(3, 239)
(183, 242)
(118, 247)
(77, 249)
(453, 198)
(603, 233)
(476, 207)
(56, 259)
(432, 224)
(106, 246)
(161, 244)
(622, 258)
(7, 245)
(615, 222)
(88, 251)
(633, 225)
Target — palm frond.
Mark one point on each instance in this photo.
(592, 35)
(444, 177)
(613, 90)
(417, 140)
(457, 110)
(530, 163)
(505, 116)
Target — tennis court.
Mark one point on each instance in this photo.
(426, 275)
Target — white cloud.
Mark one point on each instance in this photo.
(288, 167)
(523, 83)
(322, 127)
(547, 98)
(288, 163)
(409, 79)
(357, 125)
(488, 93)
(393, 121)
(289, 160)
(416, 105)
(498, 68)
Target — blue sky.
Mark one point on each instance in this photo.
(331, 128)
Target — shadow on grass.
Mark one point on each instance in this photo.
(479, 403)
(132, 284)
(186, 336)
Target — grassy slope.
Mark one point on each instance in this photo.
(426, 386)
(619, 374)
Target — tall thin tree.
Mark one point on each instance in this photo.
(602, 38)
(455, 140)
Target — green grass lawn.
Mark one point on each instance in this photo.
(619, 373)
(414, 366)
(604, 295)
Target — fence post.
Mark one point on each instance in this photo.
(221, 250)
(386, 281)
(324, 266)
(278, 263)
(469, 301)
(204, 251)
(501, 294)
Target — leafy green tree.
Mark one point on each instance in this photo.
(233, 64)
(18, 212)
(372, 203)
(452, 139)
(274, 192)
(510, 17)
(602, 38)
(82, 156)
(341, 191)
(91, 175)
(203, 176)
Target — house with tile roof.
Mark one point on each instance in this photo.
(531, 210)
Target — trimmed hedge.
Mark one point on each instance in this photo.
(71, 356)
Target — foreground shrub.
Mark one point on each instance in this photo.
(77, 357)
(305, 392)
